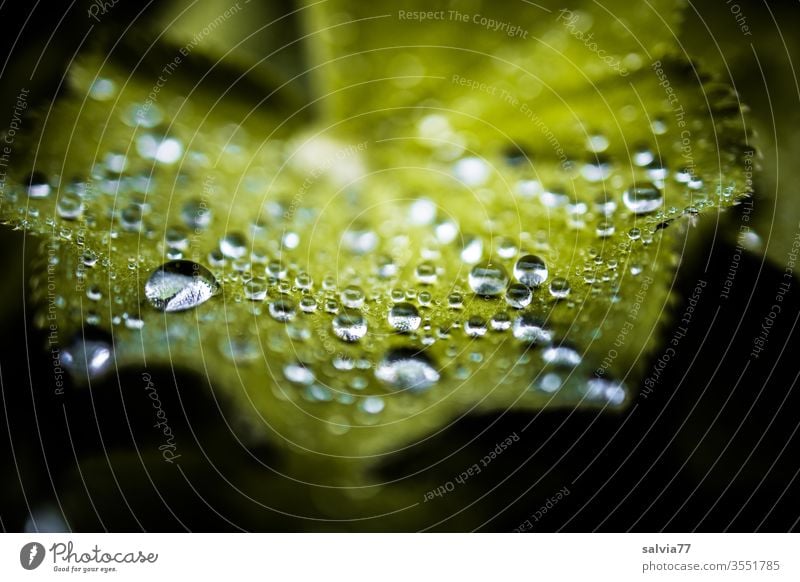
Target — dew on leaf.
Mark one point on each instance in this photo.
(404, 317)
(180, 285)
(643, 198)
(407, 369)
(349, 326)
(488, 279)
(530, 270)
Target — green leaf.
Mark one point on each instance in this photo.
(435, 145)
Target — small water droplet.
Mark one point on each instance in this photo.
(255, 290)
(37, 185)
(605, 390)
(180, 285)
(530, 270)
(422, 212)
(530, 328)
(472, 250)
(130, 218)
(102, 89)
(488, 279)
(407, 369)
(560, 288)
(426, 273)
(69, 206)
(519, 296)
(233, 245)
(605, 229)
(282, 310)
(88, 356)
(475, 326)
(472, 171)
(404, 317)
(298, 373)
(349, 326)
(195, 214)
(500, 321)
(372, 405)
(643, 198)
(563, 355)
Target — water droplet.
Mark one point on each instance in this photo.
(290, 240)
(643, 156)
(180, 285)
(500, 321)
(455, 300)
(360, 242)
(407, 369)
(472, 250)
(308, 304)
(530, 270)
(282, 310)
(298, 373)
(519, 296)
(195, 214)
(372, 405)
(563, 355)
(605, 391)
(164, 149)
(446, 231)
(472, 171)
(352, 297)
(605, 229)
(130, 218)
(426, 273)
(530, 328)
(233, 245)
(549, 383)
(88, 356)
(404, 317)
(605, 206)
(69, 206)
(475, 326)
(255, 290)
(643, 198)
(560, 288)
(37, 185)
(239, 349)
(349, 326)
(102, 89)
(422, 212)
(488, 279)
(596, 143)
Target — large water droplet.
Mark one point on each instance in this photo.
(407, 369)
(180, 285)
(488, 279)
(643, 198)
